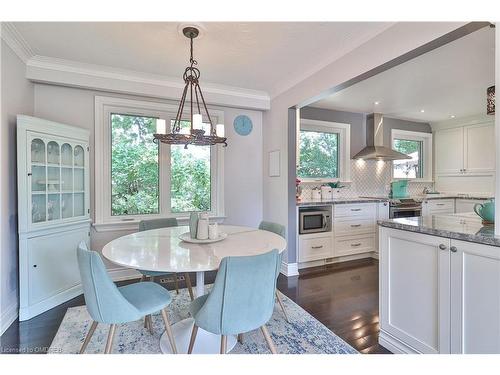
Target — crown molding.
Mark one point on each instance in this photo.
(16, 42)
(62, 72)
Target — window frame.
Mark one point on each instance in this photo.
(104, 107)
(344, 148)
(426, 139)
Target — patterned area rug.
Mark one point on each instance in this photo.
(303, 335)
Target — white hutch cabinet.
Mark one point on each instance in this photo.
(54, 211)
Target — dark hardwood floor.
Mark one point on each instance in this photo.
(344, 297)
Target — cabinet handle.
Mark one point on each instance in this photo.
(317, 247)
(29, 174)
(453, 249)
(439, 204)
(442, 247)
(356, 244)
(355, 209)
(355, 225)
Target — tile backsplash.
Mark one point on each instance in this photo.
(368, 178)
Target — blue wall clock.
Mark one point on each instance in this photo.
(243, 125)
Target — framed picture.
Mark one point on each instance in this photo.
(274, 163)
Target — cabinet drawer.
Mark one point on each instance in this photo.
(315, 249)
(441, 204)
(350, 245)
(368, 210)
(355, 226)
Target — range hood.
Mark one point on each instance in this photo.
(375, 149)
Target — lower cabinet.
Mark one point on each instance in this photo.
(438, 295)
(438, 207)
(315, 248)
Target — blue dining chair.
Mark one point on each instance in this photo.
(157, 224)
(109, 304)
(280, 231)
(241, 300)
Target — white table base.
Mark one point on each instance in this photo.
(206, 342)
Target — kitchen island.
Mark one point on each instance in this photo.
(439, 286)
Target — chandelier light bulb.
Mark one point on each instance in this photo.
(220, 130)
(161, 126)
(197, 121)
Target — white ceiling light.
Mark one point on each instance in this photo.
(376, 103)
(422, 110)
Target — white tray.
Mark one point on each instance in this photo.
(186, 237)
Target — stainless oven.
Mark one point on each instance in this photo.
(315, 220)
(405, 208)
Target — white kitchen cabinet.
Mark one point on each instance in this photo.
(54, 211)
(475, 298)
(315, 248)
(449, 151)
(414, 292)
(465, 150)
(479, 148)
(438, 206)
(438, 295)
(466, 205)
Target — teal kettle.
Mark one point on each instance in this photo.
(486, 211)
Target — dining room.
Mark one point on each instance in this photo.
(172, 193)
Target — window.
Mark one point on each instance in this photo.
(419, 147)
(323, 151)
(137, 178)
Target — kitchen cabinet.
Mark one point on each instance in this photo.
(354, 227)
(438, 295)
(475, 298)
(466, 205)
(465, 150)
(54, 211)
(438, 206)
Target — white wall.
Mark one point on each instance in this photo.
(243, 156)
(390, 44)
(16, 98)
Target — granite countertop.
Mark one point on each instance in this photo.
(452, 196)
(464, 226)
(341, 201)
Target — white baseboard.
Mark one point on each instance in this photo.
(8, 317)
(289, 269)
(120, 274)
(394, 345)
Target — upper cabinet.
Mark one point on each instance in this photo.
(465, 150)
(53, 174)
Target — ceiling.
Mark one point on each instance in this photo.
(262, 56)
(449, 81)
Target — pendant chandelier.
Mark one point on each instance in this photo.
(196, 134)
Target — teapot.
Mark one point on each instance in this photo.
(486, 211)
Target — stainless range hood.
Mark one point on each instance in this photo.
(375, 149)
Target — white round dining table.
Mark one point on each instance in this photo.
(161, 250)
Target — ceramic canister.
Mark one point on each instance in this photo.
(202, 233)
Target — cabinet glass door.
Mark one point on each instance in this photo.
(58, 180)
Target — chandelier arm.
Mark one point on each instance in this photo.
(191, 103)
(178, 116)
(197, 100)
(212, 131)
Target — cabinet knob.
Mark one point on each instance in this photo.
(442, 247)
(34, 265)
(453, 249)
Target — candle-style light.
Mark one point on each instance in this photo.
(200, 133)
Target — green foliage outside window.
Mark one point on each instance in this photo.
(410, 168)
(134, 166)
(319, 155)
(135, 171)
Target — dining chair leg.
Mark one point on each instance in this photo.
(240, 338)
(146, 322)
(193, 338)
(88, 337)
(168, 329)
(149, 323)
(176, 284)
(269, 340)
(143, 278)
(282, 306)
(190, 287)
(152, 279)
(223, 344)
(111, 335)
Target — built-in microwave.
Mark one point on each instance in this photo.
(315, 220)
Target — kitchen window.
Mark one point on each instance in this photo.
(137, 179)
(323, 151)
(418, 146)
